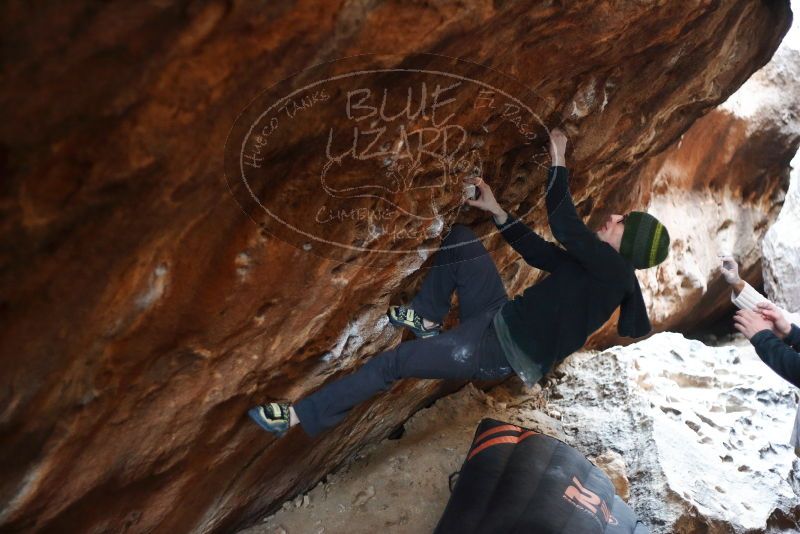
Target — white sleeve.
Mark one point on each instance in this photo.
(748, 298)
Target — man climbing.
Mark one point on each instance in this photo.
(589, 278)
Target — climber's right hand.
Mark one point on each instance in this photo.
(486, 200)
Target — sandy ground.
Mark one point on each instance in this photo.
(402, 485)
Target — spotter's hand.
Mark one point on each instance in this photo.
(750, 323)
(730, 270)
(771, 313)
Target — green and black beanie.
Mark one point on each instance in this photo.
(645, 241)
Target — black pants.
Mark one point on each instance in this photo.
(468, 351)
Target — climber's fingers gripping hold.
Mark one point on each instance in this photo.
(486, 200)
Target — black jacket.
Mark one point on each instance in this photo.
(781, 355)
(588, 279)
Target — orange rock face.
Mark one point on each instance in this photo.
(718, 189)
(142, 309)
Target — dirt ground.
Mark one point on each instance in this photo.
(402, 485)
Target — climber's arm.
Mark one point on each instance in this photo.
(596, 255)
(535, 250)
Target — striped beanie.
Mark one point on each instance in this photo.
(645, 241)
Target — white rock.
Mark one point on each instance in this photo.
(705, 443)
(781, 249)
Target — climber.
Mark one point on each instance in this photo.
(527, 335)
(773, 331)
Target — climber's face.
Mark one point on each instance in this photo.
(612, 230)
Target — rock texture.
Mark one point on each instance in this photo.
(704, 432)
(718, 190)
(696, 435)
(781, 248)
(142, 312)
(613, 464)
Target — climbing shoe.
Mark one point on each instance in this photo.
(404, 316)
(272, 417)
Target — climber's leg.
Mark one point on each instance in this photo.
(455, 354)
(461, 263)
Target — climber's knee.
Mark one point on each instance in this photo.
(460, 233)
